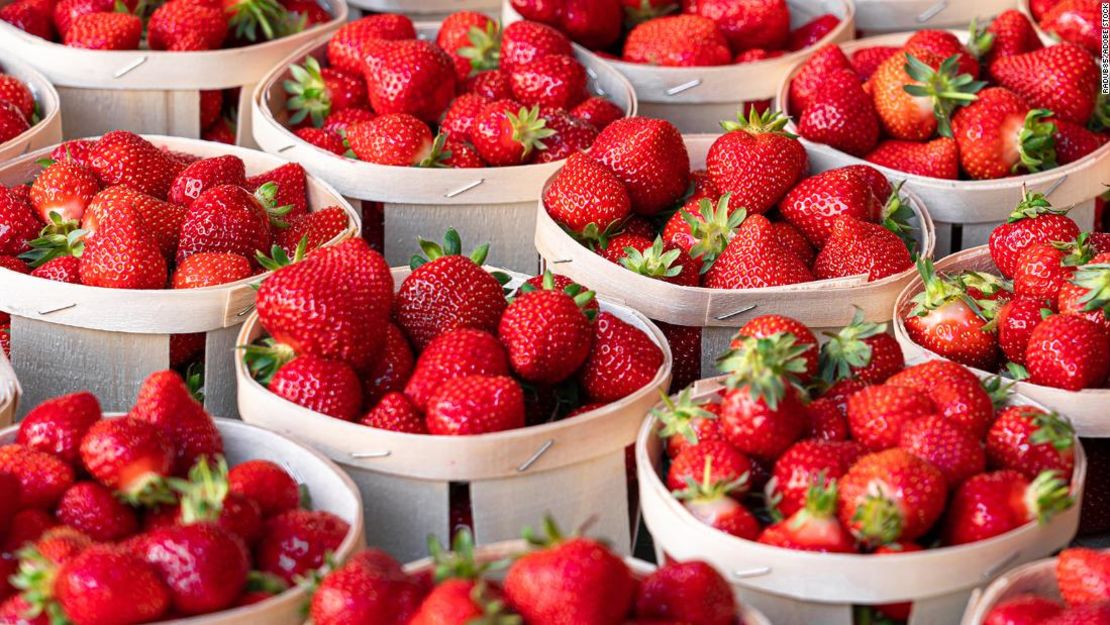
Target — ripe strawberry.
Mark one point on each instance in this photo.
(956, 393)
(63, 188)
(1081, 615)
(57, 425)
(865, 61)
(395, 412)
(121, 157)
(162, 220)
(459, 118)
(223, 131)
(94, 510)
(762, 24)
(862, 350)
(915, 95)
(597, 111)
(938, 158)
(792, 240)
(296, 542)
(806, 84)
(994, 503)
(587, 198)
(572, 135)
(1062, 78)
(1083, 576)
(211, 104)
(841, 115)
(1013, 34)
(756, 161)
(767, 326)
(12, 122)
(472, 39)
(1068, 352)
(687, 592)
(1043, 268)
(30, 16)
(204, 174)
(323, 139)
(812, 32)
(26, 527)
(129, 456)
(291, 184)
(891, 496)
(1023, 609)
(393, 369)
(105, 31)
(1030, 440)
(455, 353)
(370, 588)
(205, 269)
(409, 76)
(1016, 320)
(877, 414)
(123, 255)
(712, 461)
(547, 332)
(1075, 21)
(649, 157)
(677, 41)
(508, 133)
(266, 483)
(999, 135)
(1085, 295)
(315, 92)
(944, 323)
(622, 361)
(814, 527)
(491, 85)
(348, 47)
(754, 258)
(129, 590)
(710, 504)
(187, 26)
(1032, 221)
(814, 204)
(955, 451)
(856, 247)
(164, 400)
(802, 466)
(228, 218)
(9, 488)
(203, 566)
(18, 223)
(944, 44)
(316, 229)
(552, 81)
(827, 421)
(326, 386)
(523, 42)
(475, 404)
(13, 263)
(460, 601)
(685, 422)
(1074, 141)
(43, 477)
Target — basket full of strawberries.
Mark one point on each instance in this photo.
(173, 68)
(838, 478)
(966, 119)
(693, 63)
(163, 514)
(29, 115)
(450, 125)
(427, 381)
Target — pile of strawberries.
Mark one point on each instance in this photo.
(1083, 579)
(843, 448)
(18, 109)
(137, 518)
(676, 33)
(1077, 21)
(1044, 319)
(751, 219)
(561, 579)
(173, 25)
(999, 106)
(447, 354)
(496, 98)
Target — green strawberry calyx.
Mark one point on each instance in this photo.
(308, 93)
(947, 89)
(820, 500)
(847, 351)
(484, 51)
(939, 290)
(451, 246)
(878, 520)
(647, 10)
(580, 294)
(1047, 496)
(267, 196)
(494, 611)
(458, 562)
(1052, 429)
(1036, 143)
(714, 229)
(248, 17)
(767, 122)
(709, 489)
(278, 257)
(1031, 206)
(267, 583)
(676, 416)
(1077, 252)
(439, 154)
(265, 357)
(35, 580)
(653, 262)
(529, 129)
(57, 239)
(202, 495)
(1095, 280)
(979, 40)
(766, 366)
(998, 389)
(896, 215)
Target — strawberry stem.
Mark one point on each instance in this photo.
(1036, 142)
(765, 365)
(947, 89)
(676, 417)
(846, 350)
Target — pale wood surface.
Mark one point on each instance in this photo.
(9, 392)
(427, 9)
(882, 16)
(1038, 578)
(92, 112)
(49, 129)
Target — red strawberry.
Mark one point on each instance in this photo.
(861, 350)
(856, 247)
(710, 504)
(1068, 352)
(1044, 268)
(587, 198)
(105, 31)
(370, 588)
(204, 174)
(1016, 320)
(459, 601)
(800, 467)
(491, 85)
(1032, 221)
(915, 94)
(121, 157)
(129, 590)
(455, 353)
(26, 527)
(348, 47)
(1062, 78)
(711, 461)
(211, 105)
(327, 386)
(475, 404)
(841, 115)
(508, 133)
(223, 131)
(409, 76)
(123, 255)
(94, 510)
(1083, 576)
(761, 24)
(955, 391)
(296, 542)
(266, 483)
(129, 456)
(18, 223)
(877, 414)
(938, 158)
(1023, 610)
(827, 421)
(806, 84)
(552, 81)
(1075, 21)
(990, 504)
(57, 425)
(597, 111)
(767, 326)
(13, 263)
(595, 24)
(547, 332)
(459, 118)
(291, 184)
(944, 44)
(999, 135)
(622, 361)
(316, 229)
(1074, 141)
(161, 220)
(890, 496)
(866, 60)
(393, 369)
(649, 157)
(953, 450)
(1085, 294)
(1030, 440)
(1082, 615)
(754, 258)
(186, 26)
(812, 32)
(43, 477)
(677, 41)
(228, 218)
(395, 412)
(472, 39)
(30, 16)
(792, 240)
(943, 322)
(685, 422)
(687, 592)
(315, 92)
(323, 139)
(205, 269)
(572, 135)
(63, 188)
(1013, 34)
(12, 122)
(813, 527)
(523, 42)
(814, 204)
(165, 401)
(756, 161)
(203, 566)
(396, 139)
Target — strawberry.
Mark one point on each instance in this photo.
(999, 135)
(370, 588)
(27, 526)
(506, 133)
(1075, 21)
(14, 611)
(314, 92)
(94, 510)
(677, 41)
(944, 322)
(1022, 609)
(1098, 613)
(339, 121)
(1068, 352)
(461, 155)
(129, 456)
(63, 269)
(812, 32)
(162, 220)
(761, 24)
(861, 350)
(327, 386)
(915, 95)
(877, 414)
(805, 464)
(668, 263)
(492, 85)
(395, 412)
(618, 246)
(813, 527)
(756, 161)
(712, 460)
(939, 158)
(228, 218)
(955, 391)
(57, 425)
(315, 229)
(814, 204)
(754, 258)
(475, 404)
(543, 11)
(1043, 268)
(944, 44)
(595, 24)
(841, 115)
(649, 157)
(685, 422)
(323, 139)
(223, 131)
(296, 542)
(1085, 295)
(393, 369)
(12, 122)
(767, 326)
(805, 86)
(891, 496)
(129, 590)
(473, 41)
(792, 240)
(572, 135)
(43, 477)
(622, 360)
(205, 269)
(186, 26)
(866, 60)
(164, 400)
(203, 566)
(211, 106)
(455, 353)
(708, 502)
(64, 188)
(266, 483)
(30, 16)
(586, 198)
(348, 47)
(523, 42)
(1062, 78)
(204, 174)
(1074, 141)
(547, 332)
(597, 111)
(122, 255)
(396, 139)
(687, 592)
(953, 450)
(601, 590)
(105, 31)
(13, 263)
(990, 504)
(1083, 576)
(827, 421)
(460, 601)
(76, 150)
(856, 247)
(1030, 440)
(291, 182)
(1016, 320)
(1032, 221)
(552, 81)
(459, 118)
(409, 76)
(1013, 34)
(18, 223)
(121, 157)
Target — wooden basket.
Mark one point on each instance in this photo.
(574, 468)
(493, 204)
(884, 16)
(511, 548)
(820, 304)
(152, 91)
(1089, 410)
(966, 211)
(72, 337)
(9, 392)
(49, 129)
(800, 588)
(697, 99)
(330, 489)
(427, 10)
(1037, 578)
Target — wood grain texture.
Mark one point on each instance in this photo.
(93, 112)
(428, 10)
(401, 513)
(884, 16)
(220, 353)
